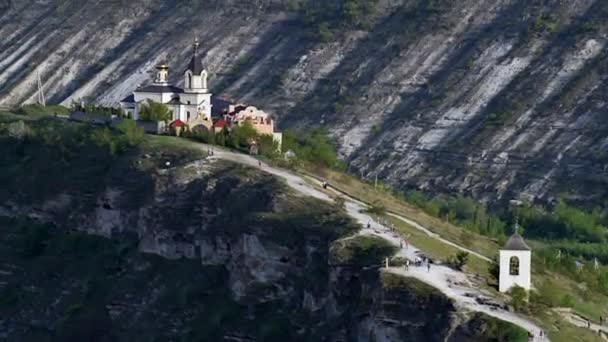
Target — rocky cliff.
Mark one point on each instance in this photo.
(492, 98)
(106, 246)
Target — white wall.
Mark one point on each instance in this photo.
(147, 96)
(199, 82)
(506, 281)
(199, 102)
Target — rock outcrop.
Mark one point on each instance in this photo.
(198, 251)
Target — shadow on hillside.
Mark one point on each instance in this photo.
(270, 69)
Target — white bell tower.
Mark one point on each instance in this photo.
(196, 97)
(162, 74)
(515, 264)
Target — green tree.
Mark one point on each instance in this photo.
(268, 147)
(519, 298)
(154, 111)
(459, 260)
(241, 135)
(313, 147)
(134, 135)
(494, 269)
(105, 138)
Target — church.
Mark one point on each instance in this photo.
(188, 105)
(192, 107)
(515, 259)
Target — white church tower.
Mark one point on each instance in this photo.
(515, 264)
(196, 97)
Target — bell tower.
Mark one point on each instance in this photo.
(195, 76)
(515, 260)
(162, 74)
(196, 93)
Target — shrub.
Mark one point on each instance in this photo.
(459, 260)
(154, 111)
(240, 136)
(494, 269)
(519, 298)
(377, 209)
(134, 135)
(312, 147)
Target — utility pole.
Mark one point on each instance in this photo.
(41, 99)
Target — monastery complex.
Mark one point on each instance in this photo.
(194, 108)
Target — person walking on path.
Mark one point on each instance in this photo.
(428, 266)
(400, 244)
(407, 264)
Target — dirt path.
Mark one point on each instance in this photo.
(582, 322)
(452, 283)
(407, 221)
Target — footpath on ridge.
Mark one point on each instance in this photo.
(454, 284)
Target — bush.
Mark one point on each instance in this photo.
(519, 298)
(459, 260)
(134, 135)
(241, 136)
(565, 222)
(460, 210)
(377, 209)
(154, 111)
(105, 138)
(312, 147)
(494, 269)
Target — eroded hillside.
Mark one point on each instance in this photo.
(493, 98)
(109, 244)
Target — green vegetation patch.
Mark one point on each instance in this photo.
(361, 250)
(483, 327)
(392, 281)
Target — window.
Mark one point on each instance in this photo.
(514, 266)
(188, 102)
(188, 115)
(189, 81)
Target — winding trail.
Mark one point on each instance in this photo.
(582, 322)
(406, 220)
(452, 283)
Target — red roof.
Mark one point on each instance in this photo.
(220, 123)
(177, 123)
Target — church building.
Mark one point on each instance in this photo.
(192, 107)
(193, 103)
(515, 264)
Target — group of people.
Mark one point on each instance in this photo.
(418, 262)
(541, 334)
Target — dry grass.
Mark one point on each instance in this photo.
(560, 330)
(366, 192)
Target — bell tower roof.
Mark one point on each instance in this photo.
(196, 65)
(516, 242)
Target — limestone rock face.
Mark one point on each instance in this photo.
(215, 252)
(492, 98)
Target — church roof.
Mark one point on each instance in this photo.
(159, 89)
(516, 243)
(129, 99)
(221, 123)
(196, 65)
(177, 123)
